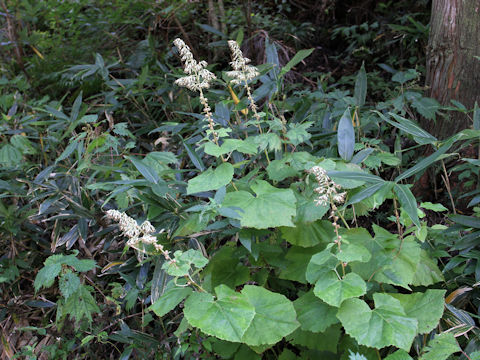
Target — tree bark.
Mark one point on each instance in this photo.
(453, 72)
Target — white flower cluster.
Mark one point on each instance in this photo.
(242, 72)
(198, 76)
(136, 234)
(327, 188)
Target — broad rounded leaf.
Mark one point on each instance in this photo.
(184, 261)
(320, 264)
(296, 263)
(272, 207)
(441, 347)
(279, 170)
(393, 261)
(325, 341)
(211, 179)
(229, 145)
(307, 210)
(426, 307)
(385, 325)
(226, 318)
(427, 272)
(309, 234)
(313, 314)
(275, 316)
(399, 355)
(334, 291)
(352, 252)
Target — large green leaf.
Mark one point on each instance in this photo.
(468, 221)
(272, 207)
(324, 341)
(320, 264)
(184, 261)
(46, 276)
(322, 272)
(297, 261)
(387, 324)
(426, 106)
(229, 145)
(351, 249)
(211, 179)
(476, 117)
(10, 155)
(399, 355)
(225, 268)
(441, 347)
(307, 210)
(346, 136)
(333, 290)
(309, 234)
(297, 133)
(427, 272)
(227, 318)
(313, 314)
(169, 300)
(394, 261)
(275, 316)
(351, 252)
(279, 170)
(426, 307)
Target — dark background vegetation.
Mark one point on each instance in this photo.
(63, 60)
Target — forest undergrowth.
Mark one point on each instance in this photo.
(255, 187)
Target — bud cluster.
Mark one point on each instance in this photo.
(136, 234)
(198, 76)
(242, 72)
(327, 188)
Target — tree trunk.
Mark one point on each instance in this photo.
(453, 72)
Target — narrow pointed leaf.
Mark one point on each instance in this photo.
(360, 92)
(365, 193)
(169, 300)
(408, 202)
(429, 160)
(147, 172)
(346, 136)
(299, 56)
(358, 176)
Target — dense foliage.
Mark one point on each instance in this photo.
(156, 206)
